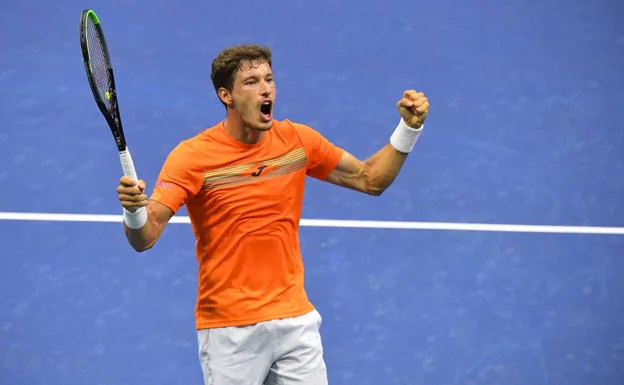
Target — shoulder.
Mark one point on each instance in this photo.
(195, 143)
(187, 152)
(182, 151)
(288, 124)
(301, 130)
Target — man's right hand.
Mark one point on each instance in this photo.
(131, 194)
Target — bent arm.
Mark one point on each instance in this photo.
(372, 176)
(158, 215)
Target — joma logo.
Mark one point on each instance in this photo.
(259, 171)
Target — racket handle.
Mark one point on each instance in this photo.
(134, 220)
(127, 164)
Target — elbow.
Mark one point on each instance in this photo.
(377, 185)
(140, 248)
(374, 189)
(374, 183)
(371, 185)
(144, 238)
(376, 192)
(139, 244)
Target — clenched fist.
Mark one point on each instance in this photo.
(131, 194)
(413, 107)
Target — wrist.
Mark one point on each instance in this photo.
(135, 220)
(404, 137)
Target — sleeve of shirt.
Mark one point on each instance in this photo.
(176, 183)
(323, 156)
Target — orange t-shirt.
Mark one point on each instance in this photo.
(244, 202)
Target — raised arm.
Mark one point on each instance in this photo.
(372, 176)
(375, 174)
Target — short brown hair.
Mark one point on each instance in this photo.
(230, 60)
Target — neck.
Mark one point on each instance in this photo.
(237, 128)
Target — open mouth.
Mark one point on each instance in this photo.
(266, 109)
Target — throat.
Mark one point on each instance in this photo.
(243, 133)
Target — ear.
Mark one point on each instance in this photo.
(226, 96)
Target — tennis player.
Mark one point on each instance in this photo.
(242, 181)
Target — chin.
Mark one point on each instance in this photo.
(263, 126)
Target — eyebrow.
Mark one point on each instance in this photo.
(248, 77)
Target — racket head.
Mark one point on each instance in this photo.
(99, 71)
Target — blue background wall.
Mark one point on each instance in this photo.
(525, 127)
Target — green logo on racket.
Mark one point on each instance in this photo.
(107, 95)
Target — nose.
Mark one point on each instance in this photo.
(266, 88)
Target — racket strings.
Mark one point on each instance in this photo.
(97, 65)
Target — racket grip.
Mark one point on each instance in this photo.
(127, 164)
(134, 220)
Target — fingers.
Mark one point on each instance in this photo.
(417, 98)
(413, 108)
(133, 201)
(422, 107)
(129, 182)
(411, 98)
(132, 197)
(418, 107)
(415, 101)
(131, 193)
(135, 190)
(405, 103)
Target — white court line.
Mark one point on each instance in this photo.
(9, 216)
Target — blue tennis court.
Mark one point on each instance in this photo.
(525, 128)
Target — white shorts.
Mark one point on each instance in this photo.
(279, 352)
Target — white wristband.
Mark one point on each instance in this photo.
(135, 220)
(404, 137)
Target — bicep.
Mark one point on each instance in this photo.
(158, 217)
(159, 213)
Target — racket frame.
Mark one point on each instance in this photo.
(112, 115)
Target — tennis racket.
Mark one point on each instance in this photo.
(99, 70)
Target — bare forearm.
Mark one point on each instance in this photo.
(143, 238)
(382, 169)
(374, 175)
(384, 166)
